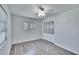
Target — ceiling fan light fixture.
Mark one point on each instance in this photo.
(41, 13)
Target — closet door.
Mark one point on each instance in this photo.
(3, 26)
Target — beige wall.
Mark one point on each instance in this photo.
(18, 33)
(67, 30)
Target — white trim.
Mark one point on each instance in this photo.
(9, 50)
(66, 48)
(25, 41)
(3, 44)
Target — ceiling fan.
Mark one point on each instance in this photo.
(43, 9)
(43, 12)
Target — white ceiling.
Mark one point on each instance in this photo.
(30, 10)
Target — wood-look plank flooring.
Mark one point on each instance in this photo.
(38, 47)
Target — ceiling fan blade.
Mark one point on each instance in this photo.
(50, 10)
(50, 14)
(41, 8)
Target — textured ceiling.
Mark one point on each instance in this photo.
(30, 10)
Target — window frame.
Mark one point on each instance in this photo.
(4, 25)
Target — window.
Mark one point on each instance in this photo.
(49, 27)
(3, 25)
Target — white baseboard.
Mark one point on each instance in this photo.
(25, 40)
(66, 48)
(9, 49)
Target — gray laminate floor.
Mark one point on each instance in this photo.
(38, 47)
